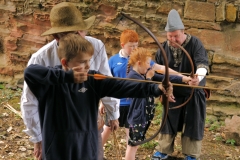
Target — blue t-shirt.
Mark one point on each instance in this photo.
(118, 67)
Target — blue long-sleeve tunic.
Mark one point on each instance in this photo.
(137, 110)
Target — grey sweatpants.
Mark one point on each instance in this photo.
(190, 146)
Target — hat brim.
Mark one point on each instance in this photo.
(88, 23)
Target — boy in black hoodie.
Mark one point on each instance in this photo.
(68, 100)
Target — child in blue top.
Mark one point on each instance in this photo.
(118, 66)
(141, 110)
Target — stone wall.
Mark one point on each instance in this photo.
(215, 22)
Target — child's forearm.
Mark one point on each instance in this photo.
(186, 79)
(161, 68)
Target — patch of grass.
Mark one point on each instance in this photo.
(10, 96)
(149, 145)
(231, 141)
(207, 121)
(219, 138)
(158, 114)
(215, 126)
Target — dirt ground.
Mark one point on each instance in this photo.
(212, 148)
(14, 144)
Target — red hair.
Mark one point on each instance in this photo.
(138, 54)
(128, 36)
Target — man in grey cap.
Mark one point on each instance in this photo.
(65, 18)
(190, 118)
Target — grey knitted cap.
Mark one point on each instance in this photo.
(174, 21)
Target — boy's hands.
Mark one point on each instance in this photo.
(168, 92)
(79, 75)
(101, 109)
(194, 81)
(114, 124)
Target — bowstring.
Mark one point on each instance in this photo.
(93, 60)
(117, 108)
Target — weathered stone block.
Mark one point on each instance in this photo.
(232, 129)
(212, 1)
(8, 71)
(233, 43)
(138, 3)
(3, 60)
(107, 13)
(8, 6)
(199, 0)
(34, 39)
(220, 11)
(17, 59)
(199, 11)
(10, 43)
(224, 58)
(226, 65)
(203, 25)
(226, 70)
(231, 13)
(212, 40)
(107, 10)
(4, 16)
(4, 31)
(152, 4)
(41, 16)
(156, 18)
(165, 7)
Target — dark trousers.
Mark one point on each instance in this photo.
(100, 148)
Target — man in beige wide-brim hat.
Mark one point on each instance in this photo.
(64, 18)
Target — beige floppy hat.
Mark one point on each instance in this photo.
(65, 17)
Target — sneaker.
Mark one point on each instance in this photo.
(159, 156)
(190, 158)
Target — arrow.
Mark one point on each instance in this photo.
(101, 77)
(207, 76)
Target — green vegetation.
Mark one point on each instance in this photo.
(231, 142)
(158, 114)
(10, 96)
(219, 138)
(214, 125)
(149, 145)
(208, 121)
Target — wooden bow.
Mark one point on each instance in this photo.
(165, 82)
